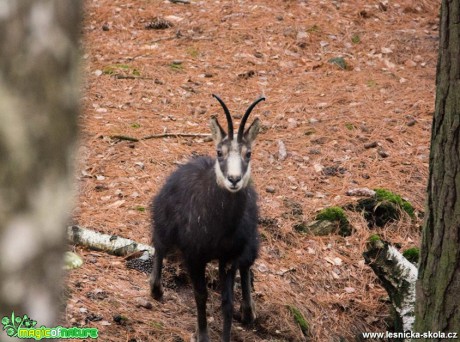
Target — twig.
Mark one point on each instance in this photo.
(124, 137)
(132, 77)
(165, 135)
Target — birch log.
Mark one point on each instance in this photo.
(111, 244)
(398, 277)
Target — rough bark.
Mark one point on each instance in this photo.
(38, 114)
(438, 285)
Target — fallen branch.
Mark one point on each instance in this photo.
(162, 135)
(165, 135)
(111, 244)
(398, 276)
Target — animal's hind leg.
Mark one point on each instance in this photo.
(227, 281)
(156, 289)
(248, 312)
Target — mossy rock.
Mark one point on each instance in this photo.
(317, 228)
(384, 207)
(336, 214)
(375, 241)
(412, 254)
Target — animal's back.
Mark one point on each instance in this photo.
(204, 221)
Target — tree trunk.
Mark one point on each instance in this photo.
(39, 94)
(438, 285)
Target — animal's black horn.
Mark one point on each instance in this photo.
(227, 114)
(245, 118)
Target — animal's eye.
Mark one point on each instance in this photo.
(248, 154)
(219, 154)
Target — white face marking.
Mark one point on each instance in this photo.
(234, 169)
(234, 164)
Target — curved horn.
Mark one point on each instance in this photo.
(229, 118)
(245, 118)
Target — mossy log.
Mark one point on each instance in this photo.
(111, 244)
(398, 277)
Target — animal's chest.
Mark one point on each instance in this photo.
(227, 250)
(221, 247)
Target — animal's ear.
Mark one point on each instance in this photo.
(251, 133)
(218, 133)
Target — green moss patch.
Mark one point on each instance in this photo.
(176, 66)
(121, 69)
(412, 254)
(374, 238)
(383, 195)
(355, 38)
(299, 319)
(340, 62)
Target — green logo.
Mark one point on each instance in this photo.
(13, 324)
(24, 327)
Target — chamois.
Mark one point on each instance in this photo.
(207, 209)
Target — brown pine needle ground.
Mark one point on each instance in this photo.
(140, 82)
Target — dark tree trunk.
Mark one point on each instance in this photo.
(438, 285)
(39, 95)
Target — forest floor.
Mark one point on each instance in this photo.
(150, 67)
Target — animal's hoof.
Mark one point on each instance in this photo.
(199, 338)
(248, 314)
(156, 292)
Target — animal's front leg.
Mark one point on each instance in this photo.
(197, 275)
(248, 312)
(156, 289)
(227, 280)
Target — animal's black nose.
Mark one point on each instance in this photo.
(234, 179)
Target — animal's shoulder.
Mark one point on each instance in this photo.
(198, 169)
(200, 163)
